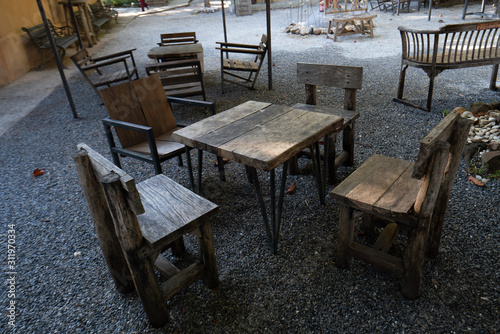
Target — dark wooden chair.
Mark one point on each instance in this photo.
(142, 117)
(250, 59)
(135, 224)
(180, 78)
(106, 70)
(349, 78)
(401, 196)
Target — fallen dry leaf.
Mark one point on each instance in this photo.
(476, 181)
(291, 189)
(38, 172)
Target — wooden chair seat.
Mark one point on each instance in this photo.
(383, 185)
(402, 197)
(234, 64)
(136, 223)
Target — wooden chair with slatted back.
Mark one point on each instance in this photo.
(142, 117)
(135, 224)
(349, 78)
(180, 78)
(402, 197)
(249, 61)
(106, 70)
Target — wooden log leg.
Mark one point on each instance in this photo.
(105, 229)
(220, 165)
(293, 165)
(348, 138)
(494, 74)
(367, 224)
(207, 255)
(413, 263)
(130, 236)
(336, 31)
(370, 26)
(178, 247)
(345, 236)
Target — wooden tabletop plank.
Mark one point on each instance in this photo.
(269, 145)
(190, 134)
(367, 184)
(243, 125)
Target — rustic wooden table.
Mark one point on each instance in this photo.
(175, 52)
(263, 136)
(88, 29)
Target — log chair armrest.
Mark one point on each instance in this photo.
(206, 104)
(62, 29)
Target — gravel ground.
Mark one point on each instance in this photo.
(62, 284)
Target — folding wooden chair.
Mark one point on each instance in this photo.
(234, 67)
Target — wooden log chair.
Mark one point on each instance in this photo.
(234, 67)
(143, 121)
(402, 197)
(135, 224)
(180, 78)
(106, 70)
(349, 17)
(349, 78)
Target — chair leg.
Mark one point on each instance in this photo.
(493, 81)
(431, 91)
(401, 85)
(207, 255)
(413, 262)
(348, 138)
(345, 236)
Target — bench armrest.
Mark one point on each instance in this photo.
(254, 52)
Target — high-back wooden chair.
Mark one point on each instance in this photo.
(349, 78)
(136, 223)
(106, 70)
(401, 196)
(180, 78)
(250, 59)
(142, 117)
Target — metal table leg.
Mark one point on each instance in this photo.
(273, 226)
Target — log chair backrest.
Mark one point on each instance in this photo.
(437, 162)
(142, 102)
(350, 78)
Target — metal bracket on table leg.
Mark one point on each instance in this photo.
(272, 233)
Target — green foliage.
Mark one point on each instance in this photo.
(120, 3)
(478, 169)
